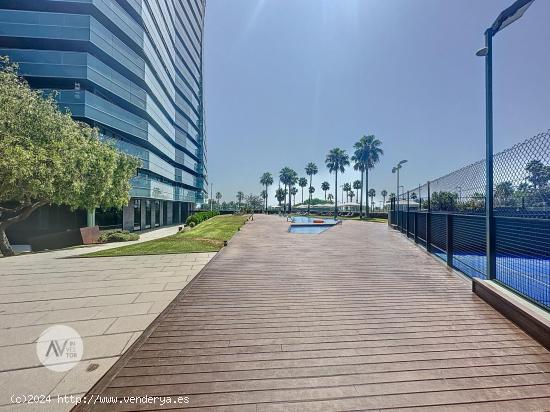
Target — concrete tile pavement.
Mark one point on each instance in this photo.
(108, 301)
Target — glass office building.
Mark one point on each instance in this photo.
(133, 69)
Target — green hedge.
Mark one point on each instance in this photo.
(200, 217)
(117, 235)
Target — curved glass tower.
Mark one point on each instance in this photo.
(132, 68)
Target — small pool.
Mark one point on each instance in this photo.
(305, 219)
(310, 225)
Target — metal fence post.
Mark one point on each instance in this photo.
(416, 226)
(450, 240)
(429, 222)
(408, 214)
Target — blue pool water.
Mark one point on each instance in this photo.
(305, 219)
(305, 225)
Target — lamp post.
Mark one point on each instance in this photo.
(505, 18)
(396, 170)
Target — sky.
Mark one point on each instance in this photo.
(287, 80)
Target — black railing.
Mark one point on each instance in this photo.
(447, 216)
(522, 247)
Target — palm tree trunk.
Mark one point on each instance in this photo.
(309, 203)
(302, 194)
(361, 199)
(336, 195)
(325, 195)
(289, 199)
(266, 196)
(367, 191)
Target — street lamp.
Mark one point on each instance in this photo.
(396, 170)
(507, 17)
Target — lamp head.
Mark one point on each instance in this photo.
(482, 52)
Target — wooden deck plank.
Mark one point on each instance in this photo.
(354, 318)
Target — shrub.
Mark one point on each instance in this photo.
(117, 235)
(200, 217)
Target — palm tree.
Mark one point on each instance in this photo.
(347, 188)
(372, 193)
(368, 152)
(336, 161)
(266, 180)
(302, 182)
(358, 164)
(263, 195)
(288, 177)
(280, 195)
(324, 187)
(330, 197)
(240, 197)
(218, 198)
(384, 193)
(311, 190)
(294, 192)
(311, 169)
(351, 195)
(357, 185)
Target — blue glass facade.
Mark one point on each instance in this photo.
(132, 68)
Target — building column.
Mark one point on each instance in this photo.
(128, 216)
(169, 216)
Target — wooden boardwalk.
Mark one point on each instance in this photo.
(356, 318)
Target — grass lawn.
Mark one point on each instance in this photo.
(205, 237)
(372, 219)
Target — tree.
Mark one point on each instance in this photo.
(504, 192)
(384, 193)
(288, 177)
(358, 164)
(336, 161)
(252, 203)
(46, 157)
(358, 186)
(266, 180)
(445, 201)
(330, 197)
(372, 193)
(351, 195)
(280, 195)
(347, 189)
(368, 152)
(294, 192)
(311, 190)
(240, 197)
(263, 195)
(539, 174)
(311, 170)
(218, 198)
(324, 187)
(302, 182)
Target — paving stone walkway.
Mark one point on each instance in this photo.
(108, 301)
(355, 318)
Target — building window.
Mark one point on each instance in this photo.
(157, 213)
(137, 214)
(148, 213)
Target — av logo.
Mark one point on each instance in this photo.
(59, 348)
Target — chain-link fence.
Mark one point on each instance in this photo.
(447, 216)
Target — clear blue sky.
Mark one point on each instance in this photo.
(287, 80)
